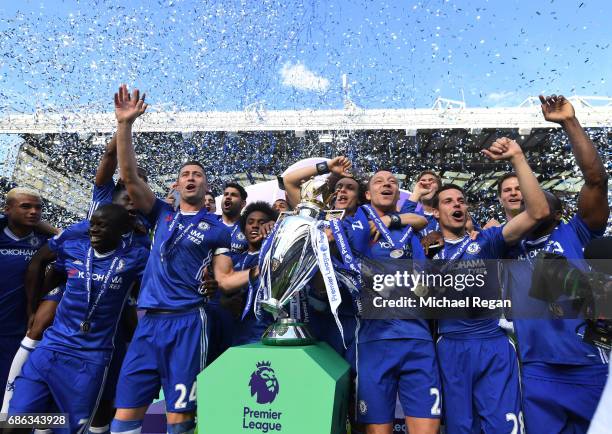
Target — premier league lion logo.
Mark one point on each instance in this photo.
(264, 383)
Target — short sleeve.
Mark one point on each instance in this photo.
(411, 207)
(582, 231)
(76, 231)
(495, 244)
(224, 241)
(158, 208)
(101, 195)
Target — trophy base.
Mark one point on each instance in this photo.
(287, 332)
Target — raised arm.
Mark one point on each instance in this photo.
(536, 207)
(127, 110)
(108, 163)
(593, 199)
(338, 166)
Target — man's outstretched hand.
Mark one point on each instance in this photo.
(557, 109)
(128, 108)
(503, 149)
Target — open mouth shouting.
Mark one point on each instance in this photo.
(458, 216)
(342, 200)
(190, 188)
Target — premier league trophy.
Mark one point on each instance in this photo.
(270, 380)
(289, 260)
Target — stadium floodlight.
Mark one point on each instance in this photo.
(411, 132)
(300, 133)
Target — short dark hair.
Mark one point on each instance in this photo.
(432, 173)
(192, 163)
(503, 178)
(264, 207)
(209, 193)
(436, 199)
(118, 215)
(240, 188)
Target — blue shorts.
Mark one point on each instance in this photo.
(480, 385)
(55, 294)
(222, 331)
(168, 351)
(50, 379)
(561, 398)
(390, 367)
(9, 345)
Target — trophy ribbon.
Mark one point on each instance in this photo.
(320, 245)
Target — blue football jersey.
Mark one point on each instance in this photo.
(476, 259)
(239, 242)
(379, 329)
(15, 254)
(112, 276)
(557, 341)
(173, 276)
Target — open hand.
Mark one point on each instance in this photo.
(128, 108)
(340, 166)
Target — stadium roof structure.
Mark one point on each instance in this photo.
(593, 111)
(59, 152)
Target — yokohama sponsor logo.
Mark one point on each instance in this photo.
(17, 252)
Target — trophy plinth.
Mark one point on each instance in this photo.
(287, 332)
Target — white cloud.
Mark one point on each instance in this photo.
(499, 96)
(300, 77)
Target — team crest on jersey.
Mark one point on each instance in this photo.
(473, 248)
(34, 242)
(363, 407)
(203, 226)
(120, 264)
(241, 236)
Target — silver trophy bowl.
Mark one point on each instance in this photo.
(288, 266)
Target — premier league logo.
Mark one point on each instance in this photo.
(473, 248)
(120, 265)
(264, 383)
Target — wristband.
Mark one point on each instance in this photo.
(396, 221)
(322, 168)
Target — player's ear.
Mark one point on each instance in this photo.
(436, 213)
(368, 196)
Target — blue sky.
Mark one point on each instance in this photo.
(224, 55)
